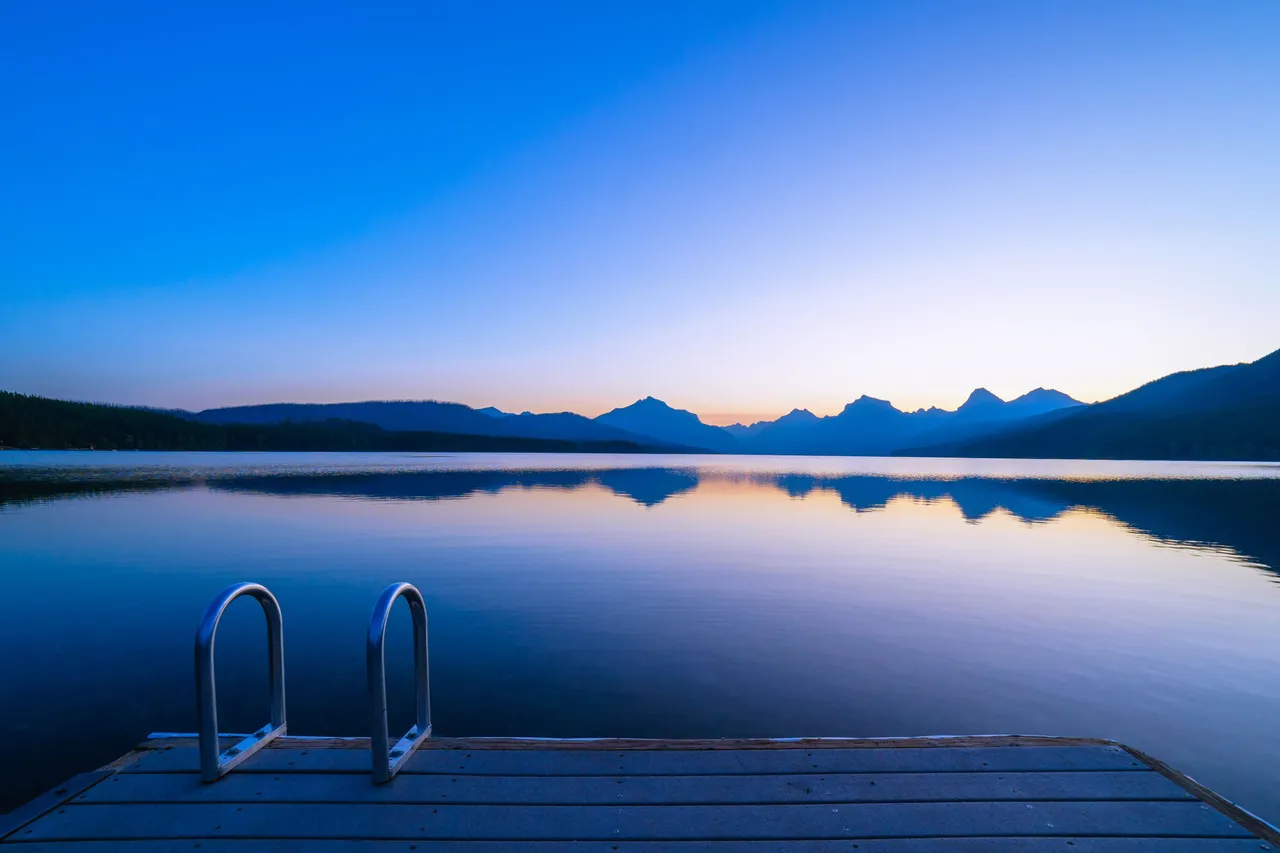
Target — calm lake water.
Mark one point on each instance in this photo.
(651, 596)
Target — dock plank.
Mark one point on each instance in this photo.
(674, 762)
(888, 845)
(623, 790)
(12, 821)
(1004, 794)
(728, 822)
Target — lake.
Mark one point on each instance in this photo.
(651, 596)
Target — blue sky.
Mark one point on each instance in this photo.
(739, 207)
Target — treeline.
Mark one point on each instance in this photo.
(29, 422)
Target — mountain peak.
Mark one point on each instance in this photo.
(651, 405)
(798, 416)
(981, 397)
(1047, 395)
(653, 418)
(869, 404)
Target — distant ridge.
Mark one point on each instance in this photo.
(654, 419)
(30, 422)
(429, 416)
(866, 426)
(1227, 412)
(870, 426)
(796, 418)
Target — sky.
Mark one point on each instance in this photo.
(738, 207)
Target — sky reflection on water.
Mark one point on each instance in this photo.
(725, 598)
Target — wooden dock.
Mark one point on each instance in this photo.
(991, 794)
(272, 792)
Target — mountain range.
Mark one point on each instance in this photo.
(28, 422)
(427, 416)
(1226, 412)
(866, 427)
(873, 427)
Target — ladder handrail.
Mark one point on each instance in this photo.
(388, 760)
(214, 763)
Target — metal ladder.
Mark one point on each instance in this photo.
(387, 760)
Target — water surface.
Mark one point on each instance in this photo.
(651, 596)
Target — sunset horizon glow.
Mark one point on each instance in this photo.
(739, 208)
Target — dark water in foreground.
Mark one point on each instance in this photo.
(652, 597)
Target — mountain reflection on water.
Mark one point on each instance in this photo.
(652, 597)
(1238, 515)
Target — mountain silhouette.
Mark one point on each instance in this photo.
(427, 416)
(797, 418)
(38, 422)
(984, 413)
(873, 427)
(983, 406)
(981, 403)
(1039, 402)
(868, 426)
(1227, 412)
(795, 421)
(655, 420)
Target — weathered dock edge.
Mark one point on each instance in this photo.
(756, 806)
